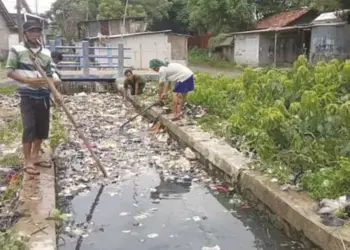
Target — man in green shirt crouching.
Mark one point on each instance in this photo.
(135, 82)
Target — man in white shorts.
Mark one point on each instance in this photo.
(183, 83)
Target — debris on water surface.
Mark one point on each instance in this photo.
(122, 154)
(124, 214)
(211, 248)
(152, 236)
(125, 155)
(221, 188)
(196, 218)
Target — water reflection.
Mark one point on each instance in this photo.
(90, 214)
(265, 233)
(171, 188)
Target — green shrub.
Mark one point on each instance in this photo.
(11, 131)
(57, 131)
(296, 121)
(9, 240)
(198, 56)
(8, 90)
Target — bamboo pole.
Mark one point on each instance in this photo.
(57, 96)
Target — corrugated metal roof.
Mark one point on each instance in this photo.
(274, 29)
(139, 34)
(281, 19)
(331, 17)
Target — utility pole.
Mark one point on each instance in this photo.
(125, 13)
(19, 20)
(36, 7)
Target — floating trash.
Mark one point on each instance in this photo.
(196, 218)
(152, 236)
(211, 248)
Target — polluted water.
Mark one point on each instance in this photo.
(156, 195)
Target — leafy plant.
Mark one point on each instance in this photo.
(58, 132)
(15, 183)
(8, 90)
(296, 121)
(9, 240)
(10, 160)
(198, 56)
(10, 131)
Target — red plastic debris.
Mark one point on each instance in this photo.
(245, 206)
(221, 188)
(92, 145)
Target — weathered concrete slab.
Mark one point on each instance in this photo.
(298, 210)
(295, 212)
(38, 199)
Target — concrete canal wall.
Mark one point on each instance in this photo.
(292, 212)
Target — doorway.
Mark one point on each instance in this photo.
(306, 42)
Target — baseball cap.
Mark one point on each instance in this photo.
(31, 24)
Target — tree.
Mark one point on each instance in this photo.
(109, 9)
(220, 15)
(269, 7)
(155, 9)
(176, 18)
(151, 9)
(93, 9)
(67, 14)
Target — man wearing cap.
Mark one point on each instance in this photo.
(34, 94)
(183, 80)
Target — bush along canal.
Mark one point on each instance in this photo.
(157, 195)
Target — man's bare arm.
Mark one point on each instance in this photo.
(25, 80)
(11, 73)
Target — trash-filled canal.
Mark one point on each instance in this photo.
(157, 196)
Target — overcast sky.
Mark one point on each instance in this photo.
(43, 5)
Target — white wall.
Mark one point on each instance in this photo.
(246, 50)
(4, 33)
(13, 39)
(143, 49)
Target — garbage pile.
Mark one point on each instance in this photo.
(122, 152)
(334, 212)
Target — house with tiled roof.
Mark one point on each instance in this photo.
(8, 26)
(275, 40)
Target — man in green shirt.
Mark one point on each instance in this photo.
(34, 93)
(135, 82)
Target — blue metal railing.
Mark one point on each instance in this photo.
(85, 56)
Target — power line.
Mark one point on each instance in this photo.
(19, 20)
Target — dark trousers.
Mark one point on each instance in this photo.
(35, 118)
